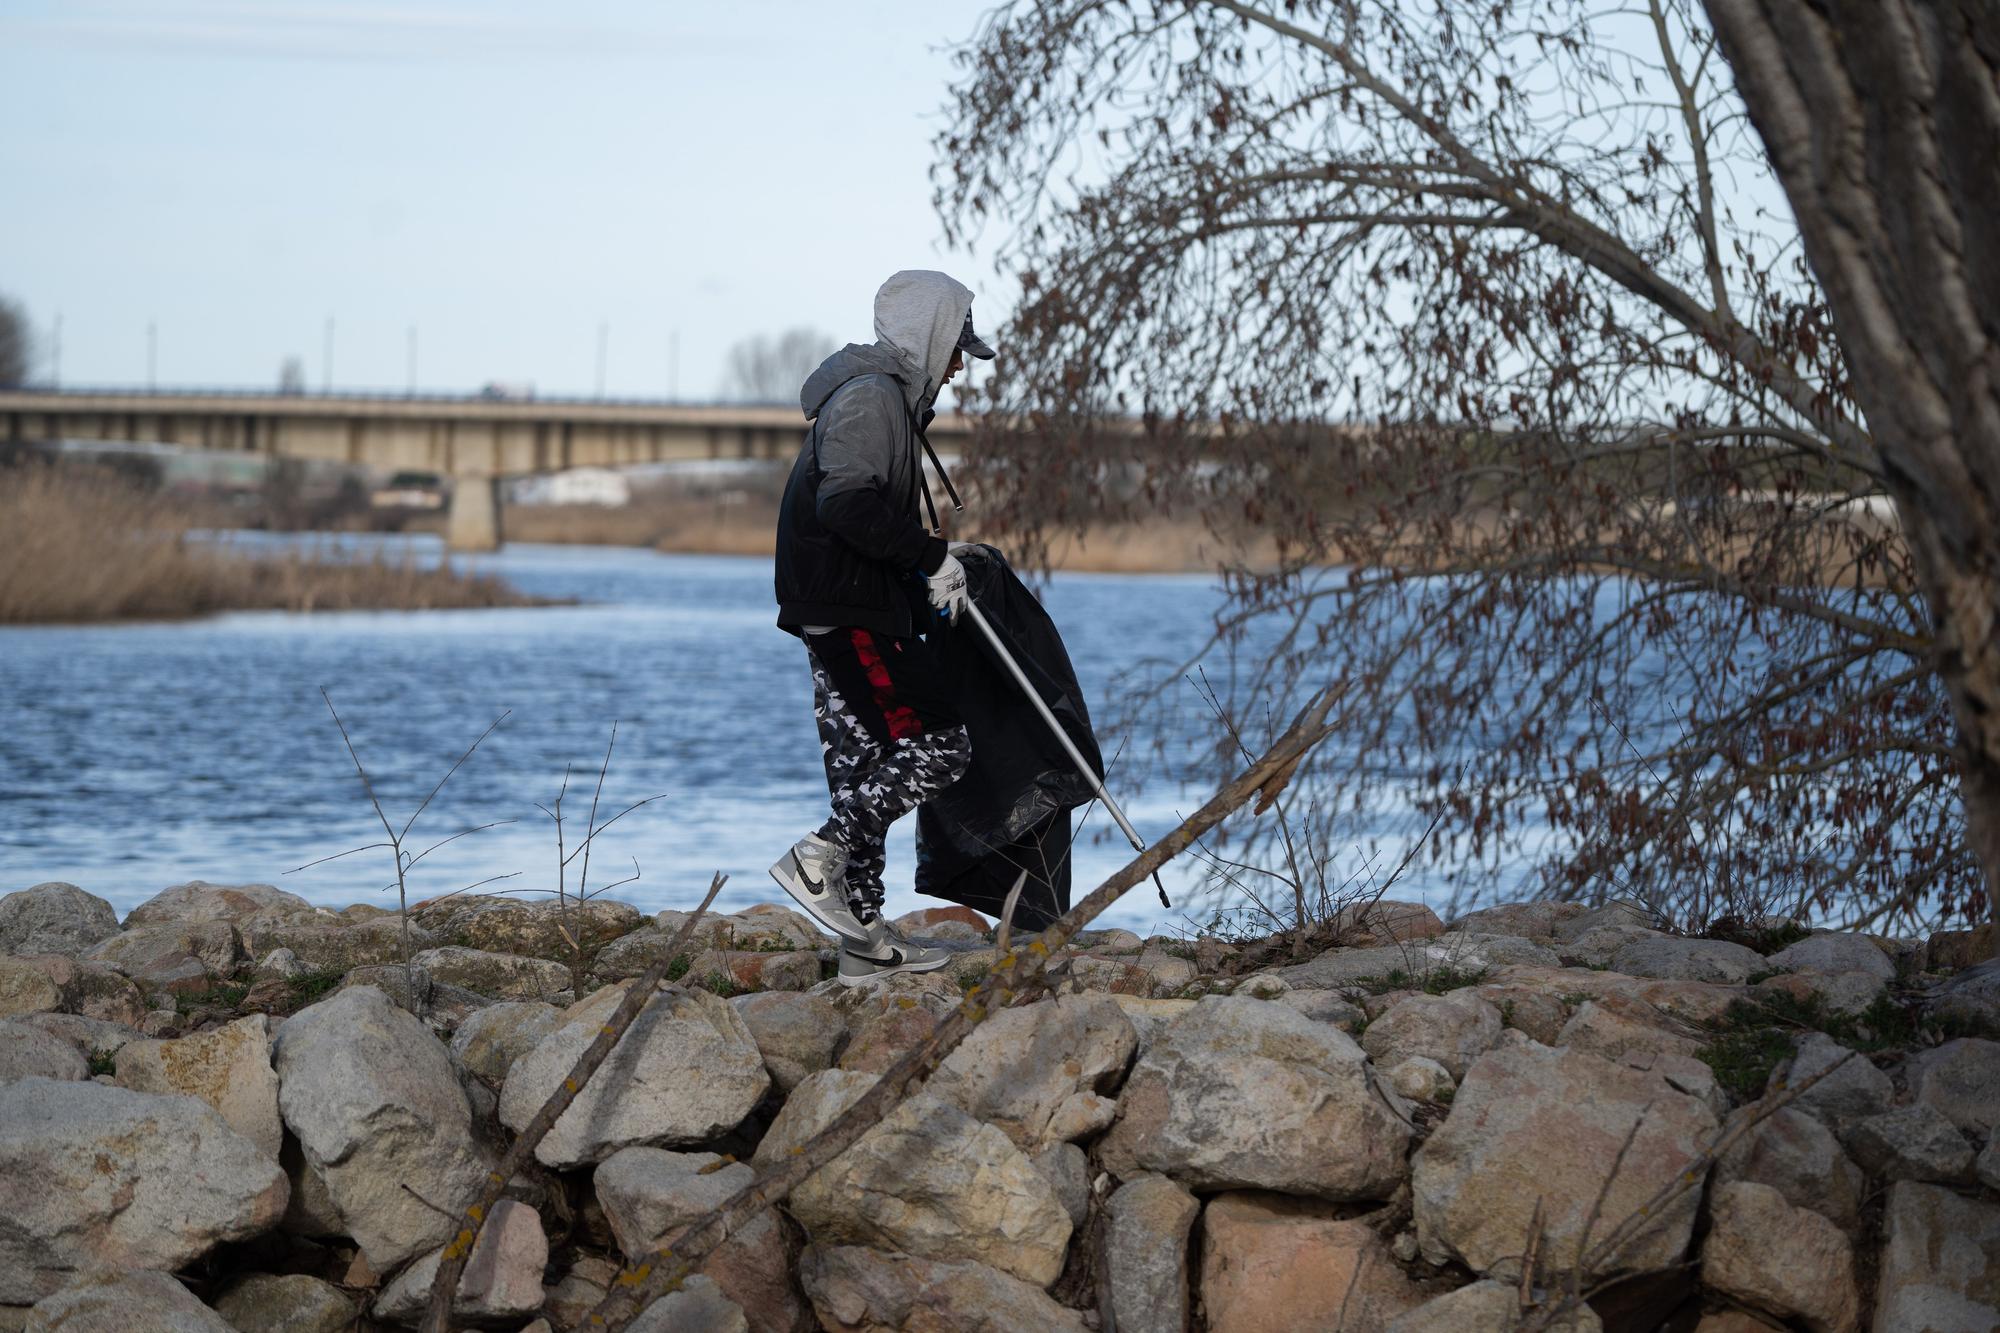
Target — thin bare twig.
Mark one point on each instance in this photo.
(395, 844)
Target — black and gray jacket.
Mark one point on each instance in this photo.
(851, 542)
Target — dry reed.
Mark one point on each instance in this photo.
(79, 544)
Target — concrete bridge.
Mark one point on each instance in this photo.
(476, 441)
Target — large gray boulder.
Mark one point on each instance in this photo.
(1490, 1306)
(698, 1306)
(1832, 953)
(228, 1067)
(1916, 1142)
(1453, 1029)
(1530, 920)
(326, 947)
(54, 918)
(1067, 1170)
(1556, 1118)
(99, 1177)
(646, 1193)
(928, 1180)
(1961, 1079)
(1785, 1261)
(442, 1007)
(1850, 1087)
(115, 1301)
(241, 905)
(1595, 948)
(26, 989)
(29, 1052)
(509, 976)
(502, 1279)
(373, 1100)
(538, 929)
(1146, 1254)
(858, 1290)
(91, 1036)
(1972, 996)
(1272, 1261)
(146, 951)
(1940, 1269)
(1676, 959)
(684, 1072)
(89, 989)
(1239, 1092)
(293, 1303)
(797, 1034)
(492, 1038)
(1796, 1154)
(1455, 951)
(1041, 1072)
(1618, 914)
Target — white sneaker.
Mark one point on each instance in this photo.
(814, 872)
(885, 953)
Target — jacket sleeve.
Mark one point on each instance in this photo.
(859, 428)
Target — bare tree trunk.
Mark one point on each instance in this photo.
(1882, 119)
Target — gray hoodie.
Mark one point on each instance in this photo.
(867, 440)
(918, 316)
(849, 530)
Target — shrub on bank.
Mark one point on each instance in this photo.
(83, 544)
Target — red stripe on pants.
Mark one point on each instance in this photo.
(902, 722)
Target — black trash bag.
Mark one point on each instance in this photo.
(1011, 810)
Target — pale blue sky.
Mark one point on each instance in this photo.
(502, 174)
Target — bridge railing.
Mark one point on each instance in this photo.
(185, 391)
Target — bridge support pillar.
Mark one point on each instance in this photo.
(474, 521)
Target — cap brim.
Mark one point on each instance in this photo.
(976, 346)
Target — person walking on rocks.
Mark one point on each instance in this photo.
(859, 577)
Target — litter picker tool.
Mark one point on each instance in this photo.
(1069, 746)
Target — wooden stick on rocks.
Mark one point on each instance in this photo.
(444, 1288)
(1021, 968)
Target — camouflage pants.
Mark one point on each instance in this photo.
(888, 743)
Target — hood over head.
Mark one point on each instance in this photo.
(918, 315)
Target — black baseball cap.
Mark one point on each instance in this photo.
(971, 343)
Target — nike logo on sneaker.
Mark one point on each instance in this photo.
(896, 957)
(816, 887)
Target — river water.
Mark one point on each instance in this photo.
(137, 756)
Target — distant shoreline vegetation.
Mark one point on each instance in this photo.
(84, 544)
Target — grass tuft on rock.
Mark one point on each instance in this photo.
(1755, 1035)
(1432, 981)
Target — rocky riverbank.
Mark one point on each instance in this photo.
(234, 1110)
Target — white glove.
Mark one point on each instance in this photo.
(947, 589)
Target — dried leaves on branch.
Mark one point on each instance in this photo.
(1487, 319)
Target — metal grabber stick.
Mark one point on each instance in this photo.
(1075, 755)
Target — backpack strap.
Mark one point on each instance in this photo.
(918, 427)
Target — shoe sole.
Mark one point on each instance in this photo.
(877, 975)
(810, 902)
